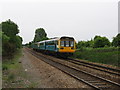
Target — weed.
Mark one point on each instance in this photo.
(11, 77)
(32, 85)
(99, 55)
(4, 67)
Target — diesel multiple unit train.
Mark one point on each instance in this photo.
(62, 46)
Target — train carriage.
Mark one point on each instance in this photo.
(61, 46)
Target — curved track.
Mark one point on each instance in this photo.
(92, 80)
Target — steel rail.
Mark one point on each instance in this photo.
(104, 67)
(94, 66)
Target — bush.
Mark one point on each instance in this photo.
(100, 55)
(10, 40)
(4, 67)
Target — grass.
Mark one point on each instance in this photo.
(12, 63)
(11, 69)
(32, 85)
(100, 55)
(14, 75)
(11, 77)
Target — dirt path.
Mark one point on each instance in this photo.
(45, 76)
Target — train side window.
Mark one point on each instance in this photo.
(38, 44)
(41, 43)
(56, 42)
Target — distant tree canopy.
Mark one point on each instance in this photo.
(97, 42)
(101, 42)
(10, 40)
(40, 35)
(85, 44)
(116, 41)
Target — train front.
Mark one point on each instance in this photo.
(67, 45)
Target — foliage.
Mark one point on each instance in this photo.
(82, 44)
(40, 35)
(101, 42)
(116, 41)
(18, 41)
(10, 40)
(0, 39)
(5, 38)
(97, 42)
(10, 28)
(100, 55)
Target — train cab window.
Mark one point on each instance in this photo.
(62, 43)
(67, 44)
(71, 43)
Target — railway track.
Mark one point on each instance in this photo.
(92, 80)
(95, 66)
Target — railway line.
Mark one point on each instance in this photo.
(92, 80)
(95, 66)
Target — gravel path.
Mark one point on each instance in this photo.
(46, 76)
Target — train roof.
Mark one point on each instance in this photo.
(54, 39)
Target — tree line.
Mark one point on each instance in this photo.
(99, 42)
(40, 35)
(96, 42)
(11, 41)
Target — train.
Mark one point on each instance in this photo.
(60, 46)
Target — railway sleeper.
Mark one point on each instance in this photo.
(100, 84)
(104, 87)
(94, 81)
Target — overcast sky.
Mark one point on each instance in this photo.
(81, 19)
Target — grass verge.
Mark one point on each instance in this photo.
(100, 55)
(14, 76)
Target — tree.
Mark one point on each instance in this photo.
(89, 43)
(101, 42)
(40, 35)
(10, 40)
(81, 44)
(18, 42)
(10, 28)
(116, 41)
(5, 41)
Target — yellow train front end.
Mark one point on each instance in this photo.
(67, 45)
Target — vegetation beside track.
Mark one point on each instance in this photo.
(14, 76)
(107, 55)
(11, 41)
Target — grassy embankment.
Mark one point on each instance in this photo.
(14, 75)
(100, 55)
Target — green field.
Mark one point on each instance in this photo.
(108, 55)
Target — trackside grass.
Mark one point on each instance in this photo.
(13, 75)
(109, 55)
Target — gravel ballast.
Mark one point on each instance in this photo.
(47, 76)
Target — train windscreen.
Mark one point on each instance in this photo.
(67, 43)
